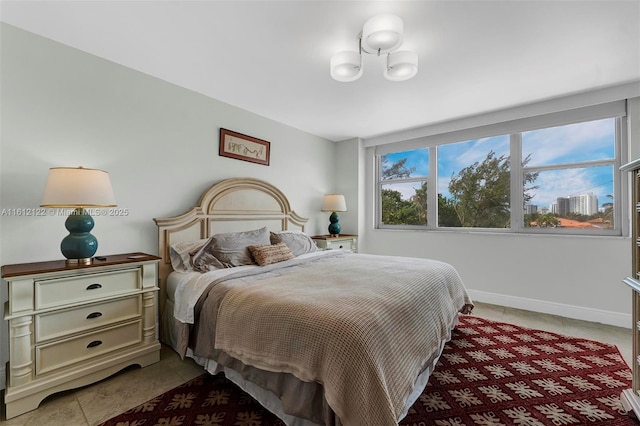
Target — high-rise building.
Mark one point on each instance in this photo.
(563, 206)
(586, 204)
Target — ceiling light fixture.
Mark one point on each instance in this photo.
(382, 34)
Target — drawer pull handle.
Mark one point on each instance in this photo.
(94, 286)
(94, 315)
(94, 344)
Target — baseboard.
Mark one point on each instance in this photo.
(568, 311)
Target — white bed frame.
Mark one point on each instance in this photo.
(237, 204)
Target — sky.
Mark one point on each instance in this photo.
(574, 143)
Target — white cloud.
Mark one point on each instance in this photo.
(578, 140)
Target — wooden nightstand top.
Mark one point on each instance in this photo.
(331, 237)
(19, 269)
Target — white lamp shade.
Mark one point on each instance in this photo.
(382, 33)
(78, 187)
(346, 66)
(334, 203)
(401, 65)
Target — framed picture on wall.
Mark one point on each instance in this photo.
(243, 147)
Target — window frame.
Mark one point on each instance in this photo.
(516, 181)
(382, 182)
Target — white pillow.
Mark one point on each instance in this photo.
(179, 253)
(297, 241)
(229, 249)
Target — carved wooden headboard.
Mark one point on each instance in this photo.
(237, 204)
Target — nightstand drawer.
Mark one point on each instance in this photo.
(341, 244)
(63, 291)
(74, 350)
(63, 323)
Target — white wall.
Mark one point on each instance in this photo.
(575, 277)
(158, 141)
(572, 276)
(349, 173)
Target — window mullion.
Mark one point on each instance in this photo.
(620, 184)
(432, 186)
(516, 183)
(562, 166)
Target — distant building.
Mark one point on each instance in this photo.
(563, 206)
(586, 204)
(530, 209)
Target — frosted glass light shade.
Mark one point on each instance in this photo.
(78, 187)
(382, 33)
(401, 65)
(334, 203)
(346, 66)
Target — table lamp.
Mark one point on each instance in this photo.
(78, 188)
(334, 203)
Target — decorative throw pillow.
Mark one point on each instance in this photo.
(275, 238)
(297, 241)
(271, 253)
(229, 249)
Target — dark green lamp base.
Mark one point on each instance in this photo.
(334, 227)
(79, 246)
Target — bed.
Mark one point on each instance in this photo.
(317, 337)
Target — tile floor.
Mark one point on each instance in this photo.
(95, 403)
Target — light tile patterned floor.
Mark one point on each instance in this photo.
(95, 403)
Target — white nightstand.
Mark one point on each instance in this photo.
(342, 241)
(70, 326)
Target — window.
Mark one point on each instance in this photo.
(571, 169)
(403, 188)
(474, 183)
(565, 182)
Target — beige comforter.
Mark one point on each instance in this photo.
(363, 326)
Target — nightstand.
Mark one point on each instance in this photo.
(72, 325)
(342, 241)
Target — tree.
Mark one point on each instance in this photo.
(419, 201)
(397, 170)
(548, 220)
(396, 211)
(529, 178)
(447, 216)
(480, 193)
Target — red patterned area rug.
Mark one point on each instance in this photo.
(490, 373)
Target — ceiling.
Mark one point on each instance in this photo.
(272, 57)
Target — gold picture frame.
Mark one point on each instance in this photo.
(243, 147)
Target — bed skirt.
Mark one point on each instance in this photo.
(265, 386)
